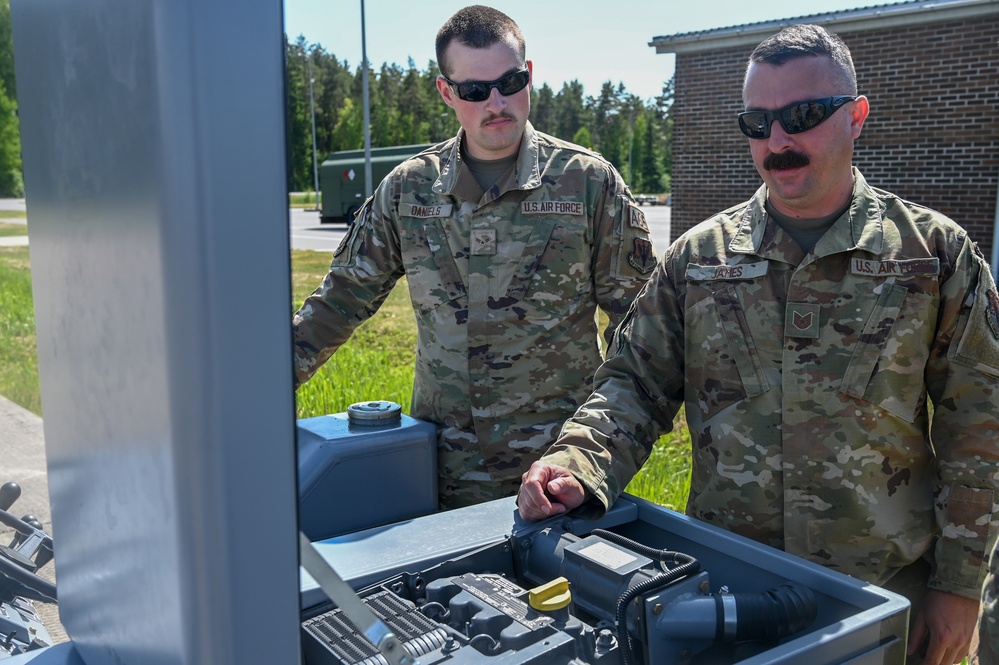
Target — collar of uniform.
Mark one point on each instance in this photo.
(528, 174)
(862, 229)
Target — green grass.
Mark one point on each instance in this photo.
(302, 200)
(376, 363)
(18, 349)
(665, 477)
(12, 229)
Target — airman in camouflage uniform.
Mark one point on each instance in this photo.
(505, 285)
(808, 372)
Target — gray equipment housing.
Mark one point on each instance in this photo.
(451, 559)
(370, 466)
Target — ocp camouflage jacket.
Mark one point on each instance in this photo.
(843, 404)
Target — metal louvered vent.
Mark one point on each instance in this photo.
(334, 640)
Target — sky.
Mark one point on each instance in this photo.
(565, 40)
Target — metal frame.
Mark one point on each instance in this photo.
(154, 164)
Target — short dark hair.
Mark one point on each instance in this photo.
(476, 26)
(802, 40)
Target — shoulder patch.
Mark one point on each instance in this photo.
(992, 313)
(978, 344)
(342, 246)
(636, 218)
(642, 257)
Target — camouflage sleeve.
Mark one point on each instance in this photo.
(365, 267)
(637, 391)
(963, 384)
(988, 635)
(623, 254)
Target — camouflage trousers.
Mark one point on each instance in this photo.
(460, 493)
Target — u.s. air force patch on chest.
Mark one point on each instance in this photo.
(642, 257)
(552, 207)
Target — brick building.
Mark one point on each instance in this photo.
(931, 71)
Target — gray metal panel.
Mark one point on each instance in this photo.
(154, 166)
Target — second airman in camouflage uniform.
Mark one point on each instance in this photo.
(505, 283)
(807, 384)
(837, 352)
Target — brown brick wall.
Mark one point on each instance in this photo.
(932, 136)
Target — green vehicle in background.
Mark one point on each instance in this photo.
(341, 178)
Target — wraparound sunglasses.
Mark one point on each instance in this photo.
(794, 118)
(478, 91)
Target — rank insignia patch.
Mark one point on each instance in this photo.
(801, 320)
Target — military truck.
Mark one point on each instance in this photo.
(341, 178)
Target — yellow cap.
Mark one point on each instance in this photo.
(551, 596)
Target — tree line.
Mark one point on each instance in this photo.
(405, 108)
(11, 179)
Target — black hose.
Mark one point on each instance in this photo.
(773, 614)
(688, 565)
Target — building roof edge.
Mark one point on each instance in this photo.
(854, 20)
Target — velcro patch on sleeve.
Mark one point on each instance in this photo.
(978, 347)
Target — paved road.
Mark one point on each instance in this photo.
(308, 233)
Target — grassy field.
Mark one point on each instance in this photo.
(302, 200)
(18, 353)
(7, 229)
(377, 363)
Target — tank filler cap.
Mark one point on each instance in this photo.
(374, 414)
(552, 596)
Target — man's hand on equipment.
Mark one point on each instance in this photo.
(947, 622)
(547, 490)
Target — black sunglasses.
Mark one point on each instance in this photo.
(794, 118)
(478, 91)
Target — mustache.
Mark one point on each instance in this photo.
(791, 159)
(498, 116)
